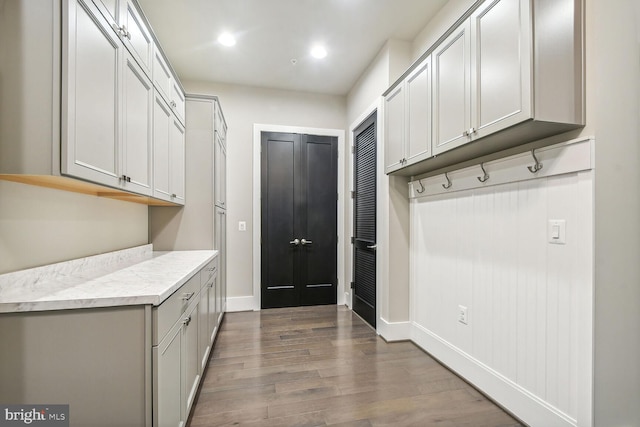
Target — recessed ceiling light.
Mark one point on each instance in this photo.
(318, 52)
(226, 39)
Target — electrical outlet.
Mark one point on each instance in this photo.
(463, 315)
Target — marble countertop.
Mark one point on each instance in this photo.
(135, 276)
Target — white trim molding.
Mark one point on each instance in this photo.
(241, 304)
(257, 231)
(394, 331)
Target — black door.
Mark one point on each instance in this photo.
(299, 219)
(364, 242)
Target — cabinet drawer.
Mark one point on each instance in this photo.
(208, 272)
(167, 313)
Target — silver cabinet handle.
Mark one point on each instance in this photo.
(174, 195)
(295, 242)
(187, 295)
(173, 104)
(374, 247)
(306, 242)
(125, 33)
(186, 320)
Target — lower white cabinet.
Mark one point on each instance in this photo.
(208, 312)
(167, 360)
(185, 326)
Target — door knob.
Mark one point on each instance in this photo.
(306, 242)
(295, 242)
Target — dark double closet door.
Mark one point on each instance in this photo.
(299, 219)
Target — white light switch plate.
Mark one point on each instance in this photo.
(242, 226)
(557, 231)
(463, 315)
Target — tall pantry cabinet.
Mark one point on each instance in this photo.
(201, 223)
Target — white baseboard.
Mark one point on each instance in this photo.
(534, 411)
(393, 331)
(242, 304)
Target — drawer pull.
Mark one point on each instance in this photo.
(187, 296)
(186, 321)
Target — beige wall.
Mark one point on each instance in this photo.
(41, 226)
(614, 91)
(243, 107)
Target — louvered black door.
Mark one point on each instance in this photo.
(364, 247)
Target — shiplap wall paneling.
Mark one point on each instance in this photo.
(529, 301)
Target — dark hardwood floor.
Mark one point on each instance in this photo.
(316, 366)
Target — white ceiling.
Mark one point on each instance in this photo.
(272, 32)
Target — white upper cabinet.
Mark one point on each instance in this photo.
(168, 154)
(501, 53)
(489, 86)
(91, 94)
(162, 77)
(137, 135)
(137, 37)
(161, 130)
(177, 161)
(177, 101)
(220, 167)
(107, 122)
(408, 119)
(418, 113)
(451, 90)
(394, 104)
(482, 79)
(167, 85)
(126, 20)
(111, 10)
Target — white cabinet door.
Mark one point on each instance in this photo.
(91, 96)
(162, 77)
(203, 327)
(168, 384)
(137, 136)
(219, 123)
(394, 128)
(451, 90)
(176, 161)
(177, 100)
(221, 245)
(220, 166)
(501, 60)
(191, 357)
(162, 122)
(214, 307)
(137, 37)
(111, 10)
(418, 113)
(168, 154)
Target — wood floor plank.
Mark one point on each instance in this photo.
(317, 366)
